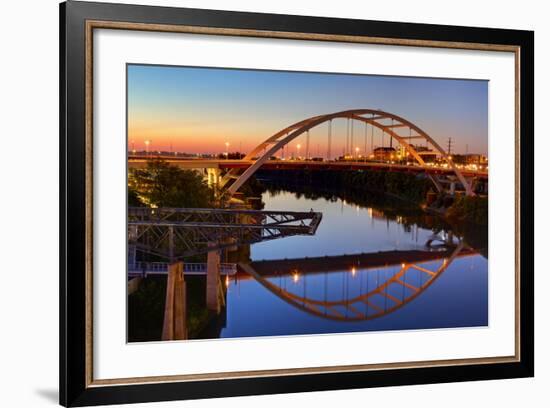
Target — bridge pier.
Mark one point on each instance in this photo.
(213, 280)
(175, 309)
(214, 176)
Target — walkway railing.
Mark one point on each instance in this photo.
(161, 268)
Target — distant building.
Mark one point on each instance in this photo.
(384, 153)
(428, 155)
(471, 158)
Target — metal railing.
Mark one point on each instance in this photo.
(161, 268)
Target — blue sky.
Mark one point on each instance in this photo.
(199, 109)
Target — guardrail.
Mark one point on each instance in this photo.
(161, 268)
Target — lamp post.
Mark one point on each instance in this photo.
(298, 150)
(356, 153)
(147, 143)
(227, 150)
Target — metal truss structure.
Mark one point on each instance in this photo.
(176, 233)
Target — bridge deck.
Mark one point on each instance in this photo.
(138, 162)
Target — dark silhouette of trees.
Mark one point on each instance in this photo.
(163, 185)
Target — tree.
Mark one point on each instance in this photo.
(133, 198)
(163, 185)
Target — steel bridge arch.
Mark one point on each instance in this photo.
(328, 309)
(280, 139)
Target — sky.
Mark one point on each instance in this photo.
(198, 110)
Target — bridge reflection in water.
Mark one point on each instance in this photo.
(383, 288)
(375, 296)
(410, 274)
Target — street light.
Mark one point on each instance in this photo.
(147, 143)
(298, 147)
(227, 150)
(356, 152)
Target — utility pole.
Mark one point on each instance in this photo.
(449, 146)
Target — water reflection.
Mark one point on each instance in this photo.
(358, 302)
(367, 268)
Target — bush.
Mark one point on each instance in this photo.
(470, 208)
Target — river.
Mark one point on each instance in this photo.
(457, 297)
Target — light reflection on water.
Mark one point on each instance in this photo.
(345, 229)
(457, 298)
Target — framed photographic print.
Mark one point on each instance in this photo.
(255, 203)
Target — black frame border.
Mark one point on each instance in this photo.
(72, 124)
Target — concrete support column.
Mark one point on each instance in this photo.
(175, 308)
(213, 280)
(214, 175)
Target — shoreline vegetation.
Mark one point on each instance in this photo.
(393, 194)
(409, 188)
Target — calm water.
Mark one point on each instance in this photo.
(296, 300)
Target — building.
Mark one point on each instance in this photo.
(471, 158)
(428, 155)
(385, 153)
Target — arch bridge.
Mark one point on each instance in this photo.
(398, 128)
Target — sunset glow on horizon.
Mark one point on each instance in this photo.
(199, 110)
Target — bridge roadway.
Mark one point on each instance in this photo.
(222, 164)
(282, 267)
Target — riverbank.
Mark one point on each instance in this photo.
(412, 189)
(470, 221)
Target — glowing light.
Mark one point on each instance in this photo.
(295, 277)
(226, 280)
(353, 271)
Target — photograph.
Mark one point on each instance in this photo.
(285, 203)
(257, 202)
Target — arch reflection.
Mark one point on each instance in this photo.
(388, 294)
